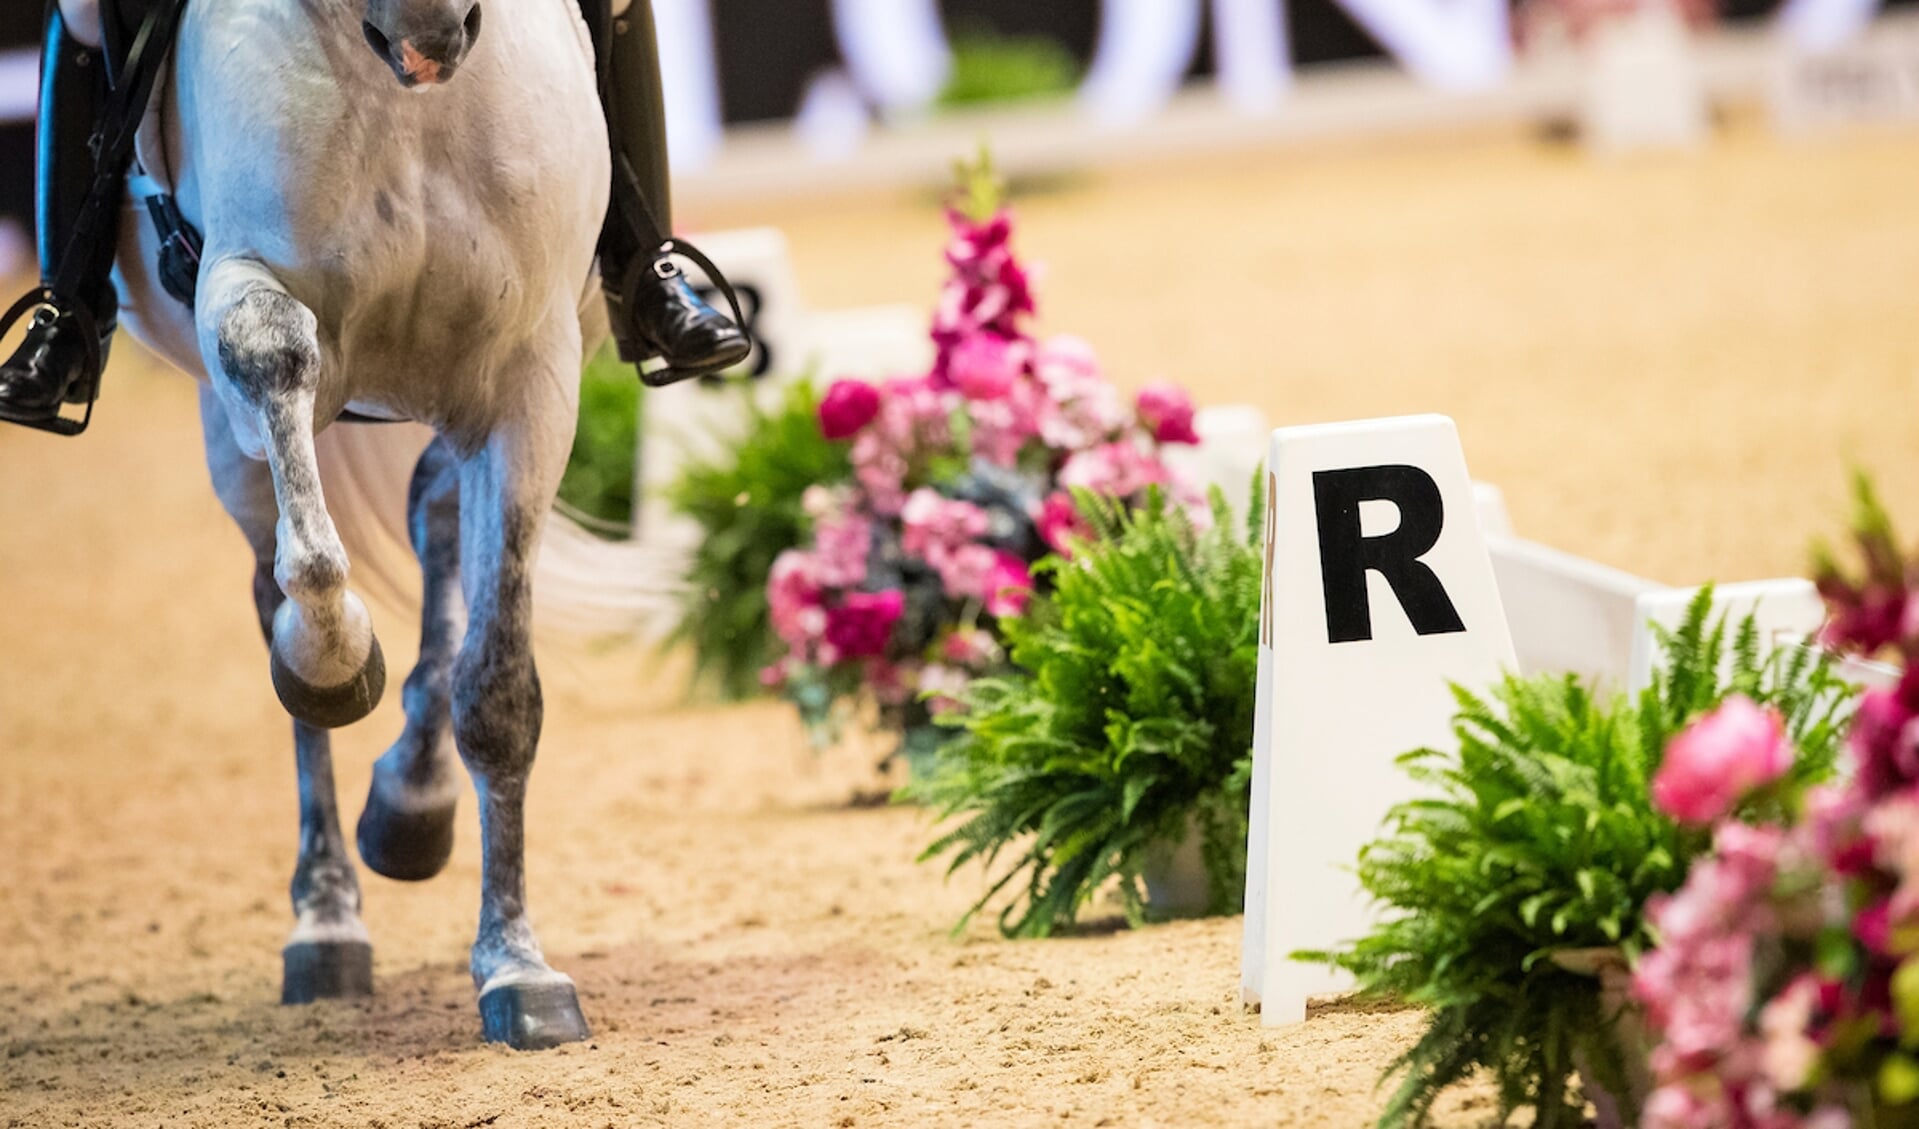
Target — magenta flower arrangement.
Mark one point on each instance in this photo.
(962, 480)
(1784, 990)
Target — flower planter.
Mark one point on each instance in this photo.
(920, 747)
(1608, 966)
(1175, 875)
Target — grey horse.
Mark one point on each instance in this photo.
(410, 243)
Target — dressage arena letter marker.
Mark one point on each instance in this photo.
(1346, 554)
(1378, 594)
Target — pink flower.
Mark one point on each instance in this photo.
(931, 522)
(863, 623)
(793, 599)
(1791, 1054)
(946, 684)
(1867, 620)
(1167, 411)
(971, 648)
(1677, 1107)
(966, 568)
(849, 405)
(1084, 408)
(891, 683)
(1060, 524)
(1833, 822)
(1118, 470)
(840, 548)
(1885, 743)
(1873, 926)
(984, 366)
(989, 291)
(880, 471)
(1719, 759)
(1002, 427)
(1009, 586)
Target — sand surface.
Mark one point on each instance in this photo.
(1668, 363)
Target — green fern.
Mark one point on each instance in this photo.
(748, 506)
(1128, 714)
(1539, 837)
(598, 482)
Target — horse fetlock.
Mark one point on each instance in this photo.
(325, 891)
(323, 675)
(417, 772)
(507, 952)
(323, 643)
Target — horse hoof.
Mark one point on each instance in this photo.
(407, 846)
(533, 1017)
(326, 970)
(331, 707)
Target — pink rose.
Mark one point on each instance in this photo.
(863, 623)
(849, 406)
(1719, 759)
(1060, 524)
(984, 366)
(1167, 411)
(1008, 586)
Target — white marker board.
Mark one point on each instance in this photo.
(1378, 594)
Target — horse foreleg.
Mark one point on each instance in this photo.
(406, 828)
(263, 349)
(328, 954)
(506, 489)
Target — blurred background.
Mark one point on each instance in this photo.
(830, 69)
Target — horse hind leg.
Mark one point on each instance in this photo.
(326, 661)
(328, 955)
(406, 828)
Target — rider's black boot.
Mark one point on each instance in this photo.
(654, 311)
(70, 318)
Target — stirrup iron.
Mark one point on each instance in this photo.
(662, 267)
(43, 306)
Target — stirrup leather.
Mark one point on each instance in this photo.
(43, 304)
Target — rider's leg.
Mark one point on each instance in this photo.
(654, 312)
(56, 363)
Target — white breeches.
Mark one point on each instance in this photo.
(83, 20)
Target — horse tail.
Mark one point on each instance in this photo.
(583, 585)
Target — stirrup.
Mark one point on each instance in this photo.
(44, 303)
(661, 266)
